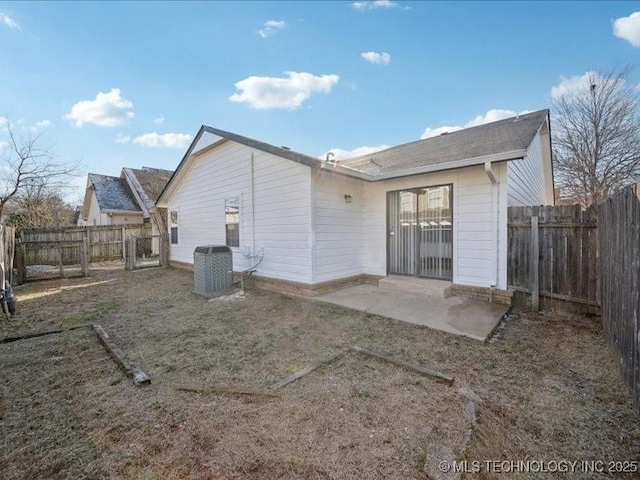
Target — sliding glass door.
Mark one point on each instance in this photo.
(420, 232)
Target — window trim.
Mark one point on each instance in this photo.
(230, 203)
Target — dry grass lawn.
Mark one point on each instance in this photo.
(550, 388)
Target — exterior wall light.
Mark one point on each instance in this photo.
(347, 198)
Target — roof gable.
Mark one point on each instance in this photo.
(146, 184)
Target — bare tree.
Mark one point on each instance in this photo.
(25, 162)
(596, 137)
(38, 206)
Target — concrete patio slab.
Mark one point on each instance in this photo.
(418, 286)
(457, 315)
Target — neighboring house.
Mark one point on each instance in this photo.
(432, 208)
(109, 201)
(122, 200)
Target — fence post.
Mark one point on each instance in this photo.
(535, 265)
(164, 250)
(84, 261)
(21, 263)
(124, 240)
(130, 245)
(60, 261)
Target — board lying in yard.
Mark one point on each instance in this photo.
(134, 372)
(438, 376)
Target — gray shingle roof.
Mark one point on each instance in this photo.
(493, 138)
(265, 147)
(149, 183)
(113, 193)
(443, 152)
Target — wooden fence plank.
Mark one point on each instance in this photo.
(535, 265)
(619, 258)
(567, 251)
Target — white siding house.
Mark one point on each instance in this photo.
(274, 210)
(122, 200)
(436, 207)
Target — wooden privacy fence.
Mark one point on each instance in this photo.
(103, 243)
(65, 258)
(619, 236)
(553, 253)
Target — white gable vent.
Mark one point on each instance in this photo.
(212, 270)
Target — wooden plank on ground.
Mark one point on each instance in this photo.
(439, 376)
(135, 373)
(25, 336)
(306, 371)
(226, 389)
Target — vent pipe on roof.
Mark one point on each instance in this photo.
(329, 159)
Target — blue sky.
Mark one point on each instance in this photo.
(128, 84)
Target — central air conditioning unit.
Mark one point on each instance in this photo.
(212, 270)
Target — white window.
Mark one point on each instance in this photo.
(232, 221)
(173, 218)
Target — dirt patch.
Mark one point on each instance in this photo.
(550, 387)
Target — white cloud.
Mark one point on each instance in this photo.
(283, 93)
(382, 58)
(3, 145)
(122, 138)
(159, 120)
(3, 122)
(571, 85)
(491, 116)
(339, 154)
(628, 28)
(575, 87)
(166, 140)
(107, 110)
(366, 5)
(271, 27)
(434, 132)
(44, 123)
(9, 22)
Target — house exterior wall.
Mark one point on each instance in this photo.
(124, 219)
(95, 217)
(528, 180)
(479, 237)
(275, 210)
(338, 226)
(297, 218)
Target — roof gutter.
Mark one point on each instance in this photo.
(135, 212)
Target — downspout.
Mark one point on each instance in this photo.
(252, 254)
(494, 221)
(253, 205)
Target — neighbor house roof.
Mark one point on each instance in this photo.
(502, 137)
(492, 142)
(113, 193)
(146, 184)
